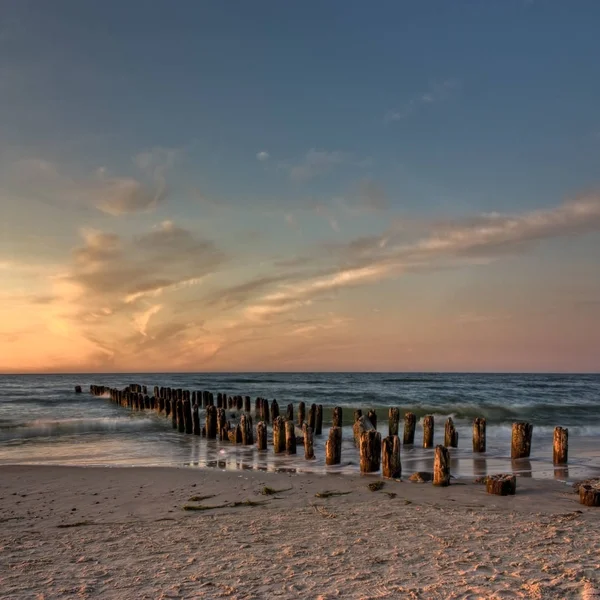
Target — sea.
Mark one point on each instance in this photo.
(43, 421)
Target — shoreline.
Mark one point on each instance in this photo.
(115, 532)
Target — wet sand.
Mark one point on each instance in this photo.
(120, 533)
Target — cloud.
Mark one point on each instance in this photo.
(437, 92)
(141, 319)
(262, 156)
(315, 163)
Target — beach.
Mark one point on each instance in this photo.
(87, 532)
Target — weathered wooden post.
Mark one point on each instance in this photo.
(224, 432)
(521, 440)
(246, 427)
(247, 403)
(441, 466)
(279, 435)
(78, 389)
(362, 425)
(560, 453)
(479, 434)
(261, 435)
(221, 421)
(370, 451)
(289, 415)
(394, 420)
(301, 413)
(230, 402)
(174, 413)
(428, 431)
(501, 484)
(258, 407)
(290, 437)
(319, 420)
(450, 434)
(238, 433)
(187, 416)
(309, 451)
(372, 416)
(390, 455)
(357, 414)
(274, 410)
(240, 402)
(211, 422)
(336, 417)
(265, 411)
(410, 423)
(589, 494)
(195, 420)
(333, 447)
(180, 417)
(312, 416)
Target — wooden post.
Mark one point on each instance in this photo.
(319, 420)
(357, 414)
(521, 440)
(301, 413)
(370, 451)
(238, 433)
(279, 435)
(333, 447)
(589, 495)
(290, 437)
(450, 434)
(195, 420)
(337, 417)
(261, 435)
(501, 485)
(78, 389)
(180, 418)
(211, 422)
(224, 432)
(289, 416)
(479, 434)
(247, 403)
(428, 431)
(246, 427)
(274, 410)
(187, 416)
(561, 446)
(441, 466)
(390, 454)
(394, 420)
(309, 451)
(221, 421)
(312, 416)
(372, 416)
(240, 402)
(361, 426)
(410, 423)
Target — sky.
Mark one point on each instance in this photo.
(299, 186)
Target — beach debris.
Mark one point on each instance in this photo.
(375, 486)
(201, 507)
(450, 434)
(391, 494)
(521, 440)
(441, 466)
(479, 425)
(370, 451)
(421, 477)
(589, 494)
(323, 511)
(428, 423)
(201, 498)
(390, 457)
(330, 494)
(594, 481)
(560, 447)
(269, 491)
(249, 503)
(410, 422)
(76, 524)
(333, 447)
(502, 484)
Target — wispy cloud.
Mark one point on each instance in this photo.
(437, 92)
(262, 156)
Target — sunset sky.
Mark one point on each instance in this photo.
(340, 185)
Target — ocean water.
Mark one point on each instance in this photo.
(42, 420)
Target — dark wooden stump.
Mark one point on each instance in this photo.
(501, 484)
(180, 417)
(240, 402)
(336, 417)
(319, 420)
(560, 449)
(266, 417)
(224, 433)
(274, 410)
(394, 420)
(390, 457)
(450, 434)
(312, 416)
(410, 423)
(290, 437)
(221, 421)
(309, 450)
(261, 435)
(333, 447)
(195, 420)
(589, 495)
(279, 435)
(78, 389)
(211, 422)
(238, 434)
(289, 415)
(521, 440)
(441, 466)
(246, 427)
(428, 431)
(301, 413)
(362, 425)
(370, 451)
(372, 416)
(247, 404)
(187, 416)
(479, 441)
(357, 414)
(258, 407)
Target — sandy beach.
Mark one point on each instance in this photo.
(124, 533)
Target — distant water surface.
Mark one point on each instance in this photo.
(42, 421)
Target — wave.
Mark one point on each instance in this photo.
(53, 428)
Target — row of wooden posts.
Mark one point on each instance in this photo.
(183, 408)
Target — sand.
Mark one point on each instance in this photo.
(70, 532)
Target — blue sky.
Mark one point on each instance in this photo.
(367, 114)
